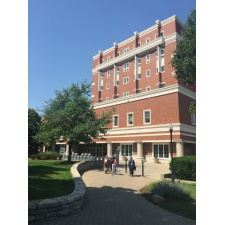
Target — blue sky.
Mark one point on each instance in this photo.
(64, 35)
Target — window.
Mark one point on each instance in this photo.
(126, 80)
(138, 91)
(101, 89)
(115, 121)
(130, 119)
(162, 34)
(139, 61)
(139, 76)
(156, 36)
(118, 54)
(108, 58)
(126, 150)
(108, 73)
(107, 86)
(117, 83)
(162, 69)
(102, 75)
(161, 151)
(126, 50)
(147, 117)
(148, 40)
(125, 66)
(118, 69)
(107, 99)
(193, 119)
(125, 94)
(156, 54)
(147, 58)
(162, 51)
(148, 89)
(157, 70)
(139, 44)
(162, 85)
(148, 73)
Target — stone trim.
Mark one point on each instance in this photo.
(43, 209)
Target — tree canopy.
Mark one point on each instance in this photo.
(71, 117)
(34, 122)
(184, 60)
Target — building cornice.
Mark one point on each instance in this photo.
(142, 49)
(154, 27)
(145, 95)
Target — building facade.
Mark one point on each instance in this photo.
(137, 79)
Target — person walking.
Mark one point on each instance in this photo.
(132, 166)
(114, 167)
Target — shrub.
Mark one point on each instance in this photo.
(184, 168)
(168, 189)
(46, 156)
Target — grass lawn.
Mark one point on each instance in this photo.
(49, 179)
(183, 206)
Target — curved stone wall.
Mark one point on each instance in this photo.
(65, 205)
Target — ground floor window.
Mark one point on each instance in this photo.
(126, 150)
(161, 150)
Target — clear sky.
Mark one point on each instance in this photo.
(64, 35)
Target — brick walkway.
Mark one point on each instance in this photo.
(113, 200)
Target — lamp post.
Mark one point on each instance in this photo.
(171, 151)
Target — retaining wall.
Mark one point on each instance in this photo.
(65, 205)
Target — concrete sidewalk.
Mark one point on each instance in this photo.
(113, 199)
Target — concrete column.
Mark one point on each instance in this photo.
(179, 149)
(140, 150)
(109, 149)
(67, 149)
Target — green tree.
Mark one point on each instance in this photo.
(71, 117)
(34, 122)
(184, 60)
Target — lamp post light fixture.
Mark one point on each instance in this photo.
(171, 151)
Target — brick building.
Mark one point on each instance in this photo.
(136, 77)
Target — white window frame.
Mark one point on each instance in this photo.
(148, 88)
(128, 119)
(147, 58)
(148, 71)
(144, 116)
(193, 119)
(147, 40)
(107, 85)
(139, 61)
(114, 120)
(126, 149)
(165, 148)
(125, 94)
(126, 66)
(108, 73)
(126, 50)
(126, 80)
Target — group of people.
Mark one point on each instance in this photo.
(111, 163)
